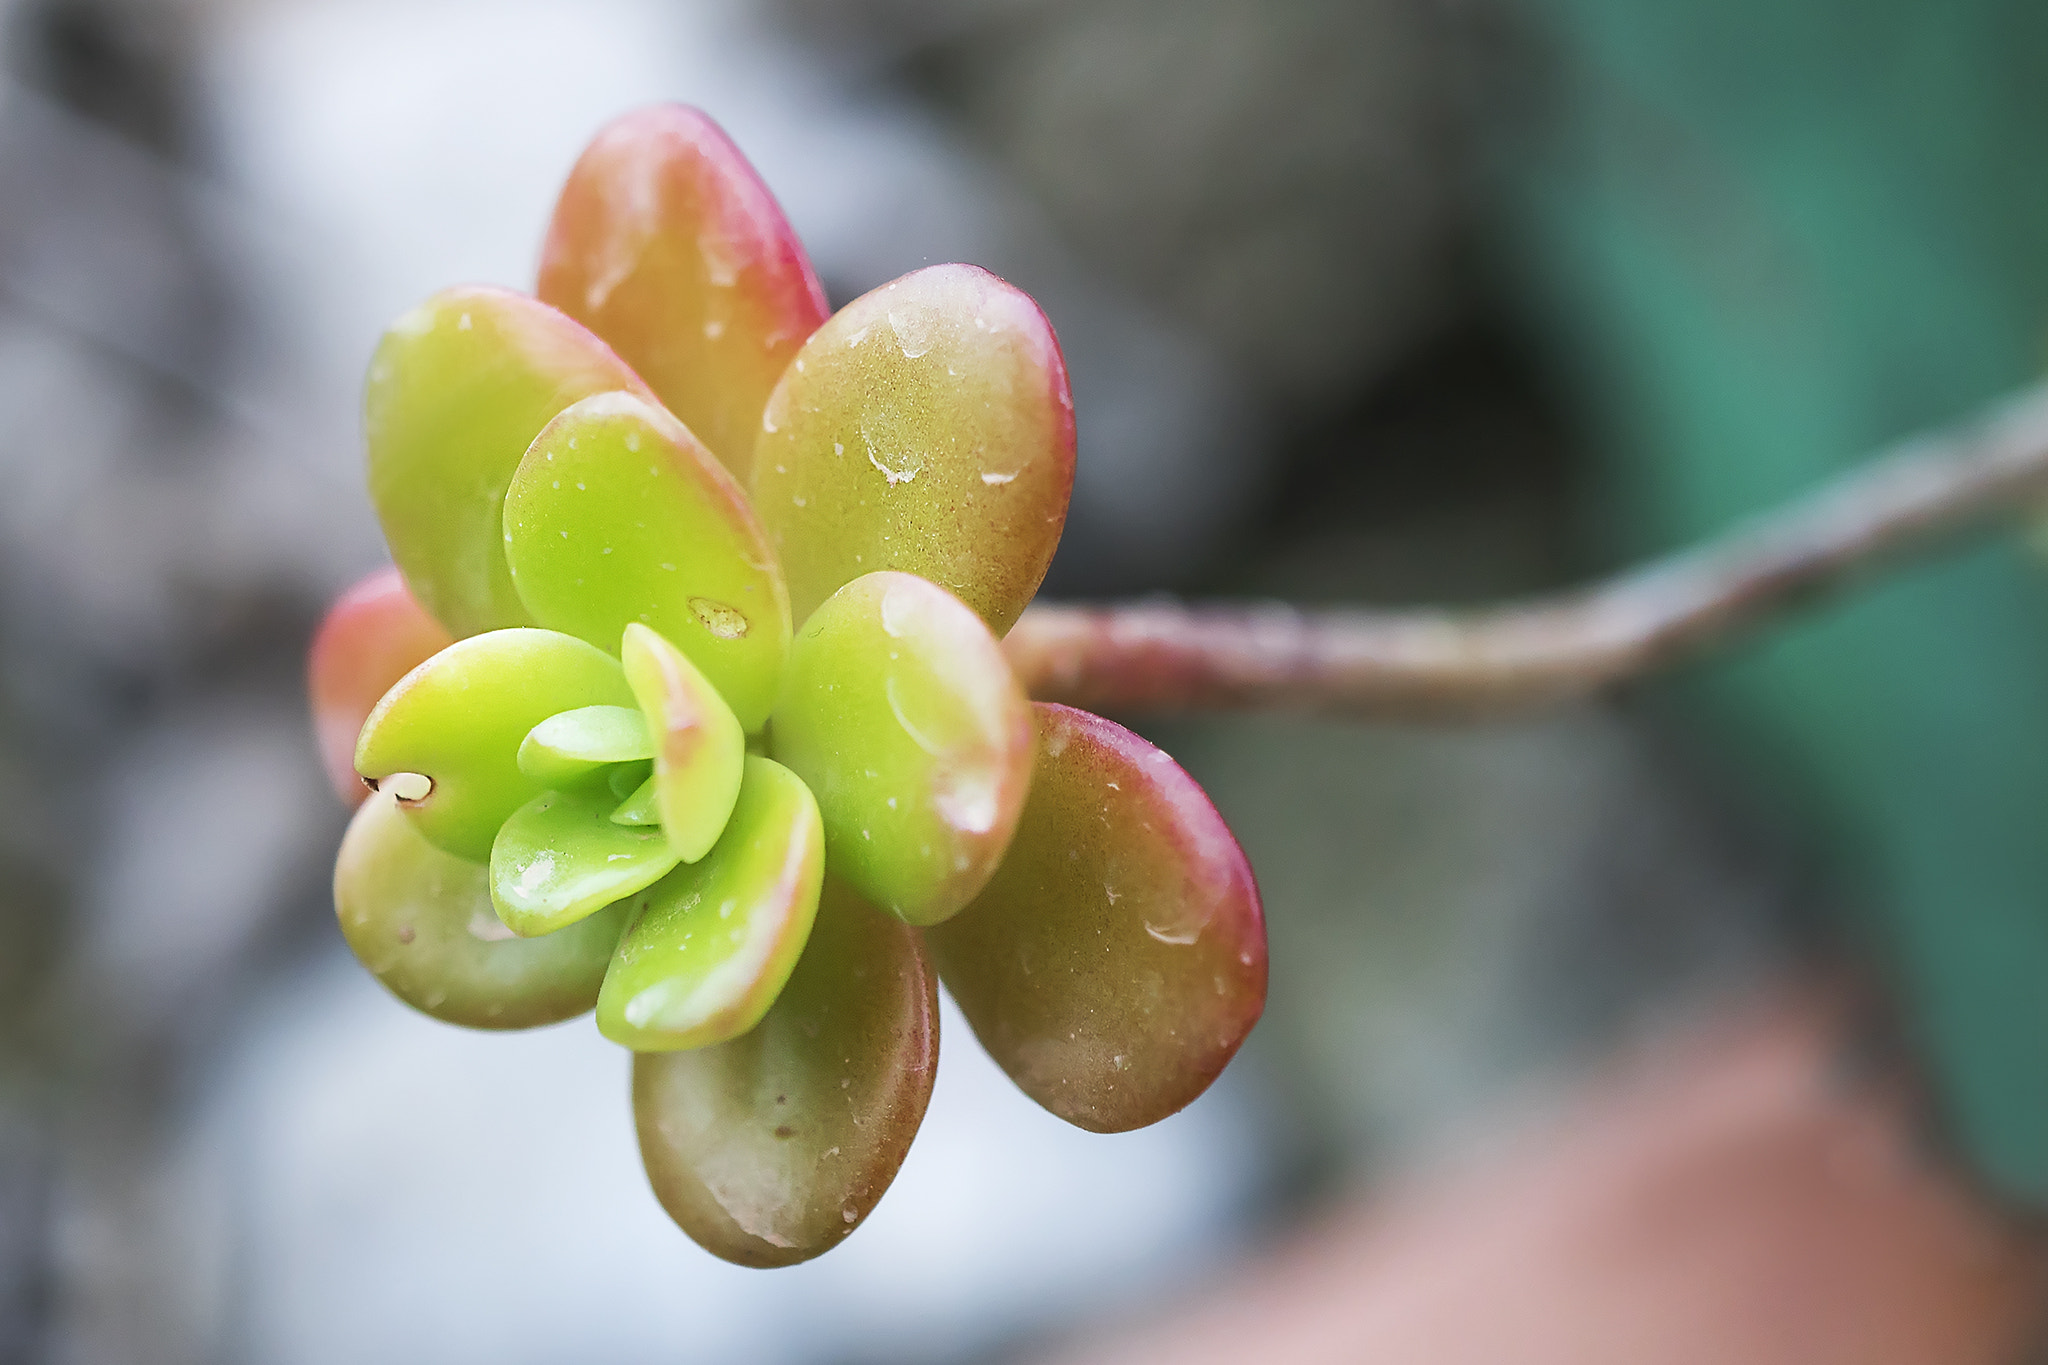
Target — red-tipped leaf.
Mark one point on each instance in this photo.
(666, 244)
(926, 427)
(1118, 958)
(770, 1149)
(373, 635)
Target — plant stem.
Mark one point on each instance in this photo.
(1164, 656)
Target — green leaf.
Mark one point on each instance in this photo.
(373, 635)
(560, 857)
(421, 921)
(769, 1149)
(926, 427)
(712, 943)
(699, 753)
(1118, 957)
(457, 391)
(618, 515)
(666, 244)
(901, 714)
(572, 745)
(629, 779)
(458, 721)
(642, 805)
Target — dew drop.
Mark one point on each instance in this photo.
(913, 326)
(994, 480)
(890, 449)
(407, 786)
(727, 623)
(848, 1211)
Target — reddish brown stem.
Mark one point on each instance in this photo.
(1429, 663)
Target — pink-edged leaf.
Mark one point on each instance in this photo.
(712, 943)
(666, 244)
(421, 920)
(373, 635)
(700, 753)
(1118, 958)
(901, 713)
(457, 391)
(926, 427)
(769, 1149)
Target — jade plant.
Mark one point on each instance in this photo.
(685, 701)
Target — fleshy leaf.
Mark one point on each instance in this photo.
(1118, 957)
(560, 858)
(666, 244)
(901, 714)
(618, 515)
(572, 745)
(457, 391)
(769, 1149)
(641, 806)
(421, 920)
(926, 427)
(459, 718)
(699, 752)
(712, 943)
(628, 779)
(373, 635)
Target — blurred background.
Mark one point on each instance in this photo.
(1707, 1024)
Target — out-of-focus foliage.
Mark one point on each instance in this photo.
(1768, 239)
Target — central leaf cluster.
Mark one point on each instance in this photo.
(602, 756)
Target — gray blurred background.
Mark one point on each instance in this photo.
(1311, 359)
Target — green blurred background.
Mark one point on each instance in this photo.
(1768, 239)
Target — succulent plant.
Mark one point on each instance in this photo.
(686, 701)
